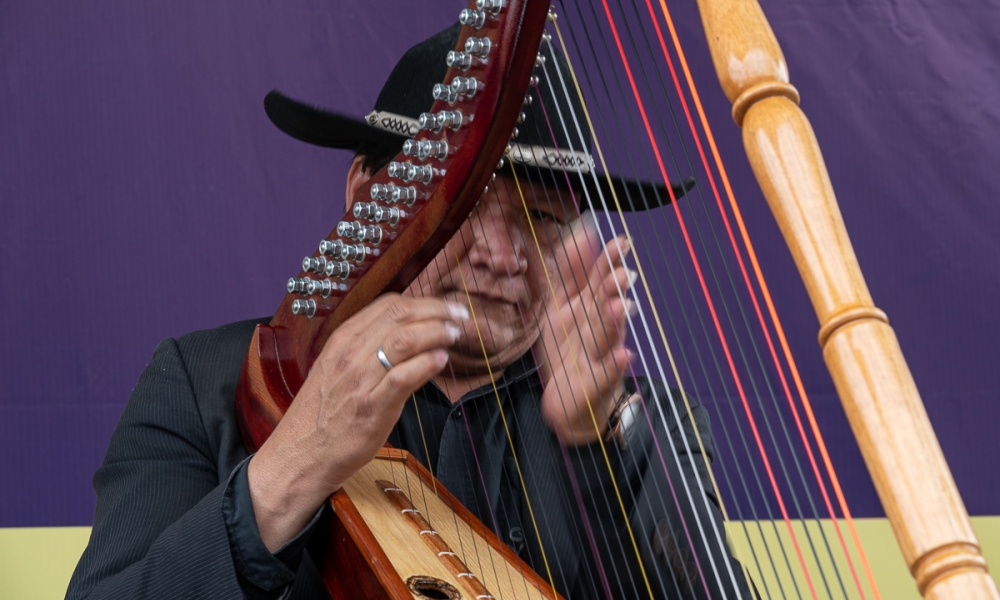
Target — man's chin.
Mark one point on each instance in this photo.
(470, 356)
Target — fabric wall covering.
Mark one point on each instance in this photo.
(144, 194)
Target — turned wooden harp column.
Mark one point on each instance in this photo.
(861, 351)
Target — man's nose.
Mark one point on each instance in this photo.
(497, 244)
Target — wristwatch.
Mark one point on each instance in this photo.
(627, 409)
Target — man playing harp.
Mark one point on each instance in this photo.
(517, 326)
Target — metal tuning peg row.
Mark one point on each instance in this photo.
(339, 250)
(424, 149)
(360, 232)
(453, 119)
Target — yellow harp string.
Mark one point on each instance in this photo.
(647, 288)
(590, 408)
(503, 418)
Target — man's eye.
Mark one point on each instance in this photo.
(543, 216)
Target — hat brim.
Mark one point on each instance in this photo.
(321, 127)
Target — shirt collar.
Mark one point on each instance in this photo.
(518, 371)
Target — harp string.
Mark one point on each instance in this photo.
(633, 499)
(476, 555)
(577, 450)
(468, 425)
(503, 418)
(764, 328)
(749, 286)
(528, 323)
(708, 379)
(753, 345)
(814, 508)
(577, 493)
(780, 372)
(716, 321)
(807, 448)
(764, 291)
(677, 502)
(718, 541)
(641, 237)
(587, 399)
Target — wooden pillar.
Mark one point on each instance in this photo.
(860, 348)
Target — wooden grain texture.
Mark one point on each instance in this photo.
(434, 541)
(875, 385)
(490, 560)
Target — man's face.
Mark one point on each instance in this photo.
(501, 263)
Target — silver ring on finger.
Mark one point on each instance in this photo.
(382, 358)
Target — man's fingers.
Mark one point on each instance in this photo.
(395, 310)
(617, 249)
(406, 377)
(606, 313)
(407, 341)
(575, 256)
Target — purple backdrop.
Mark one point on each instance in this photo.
(145, 194)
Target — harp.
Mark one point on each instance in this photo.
(864, 358)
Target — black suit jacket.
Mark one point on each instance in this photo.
(159, 529)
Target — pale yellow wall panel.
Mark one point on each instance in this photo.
(36, 563)
(767, 551)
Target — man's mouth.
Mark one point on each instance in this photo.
(485, 296)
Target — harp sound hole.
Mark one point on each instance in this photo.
(432, 588)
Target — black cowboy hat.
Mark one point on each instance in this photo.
(539, 151)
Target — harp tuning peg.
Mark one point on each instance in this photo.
(304, 307)
(397, 170)
(467, 86)
(406, 195)
(364, 210)
(491, 6)
(382, 191)
(478, 46)
(459, 60)
(472, 18)
(319, 287)
(297, 285)
(539, 60)
(312, 264)
(552, 16)
(521, 117)
(442, 92)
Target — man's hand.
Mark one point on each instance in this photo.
(347, 407)
(582, 346)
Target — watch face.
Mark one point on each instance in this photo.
(626, 414)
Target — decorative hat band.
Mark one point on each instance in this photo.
(523, 154)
